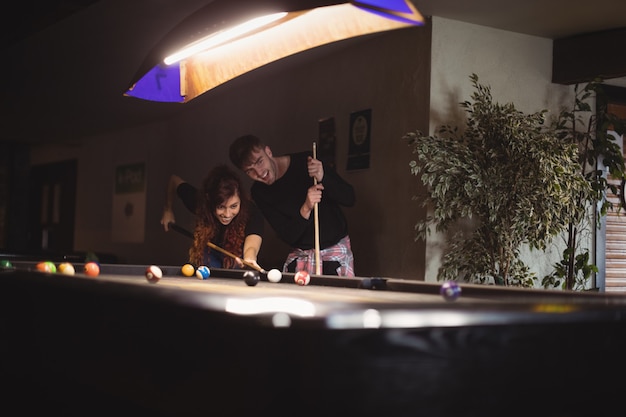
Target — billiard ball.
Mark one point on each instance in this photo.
(188, 270)
(450, 290)
(92, 269)
(274, 275)
(51, 266)
(5, 263)
(302, 278)
(66, 268)
(379, 284)
(153, 274)
(46, 266)
(203, 272)
(251, 278)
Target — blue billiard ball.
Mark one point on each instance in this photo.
(450, 290)
(366, 283)
(203, 272)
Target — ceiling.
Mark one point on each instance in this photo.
(69, 61)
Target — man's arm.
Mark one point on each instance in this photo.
(338, 189)
(289, 227)
(335, 187)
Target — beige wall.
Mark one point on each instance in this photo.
(519, 70)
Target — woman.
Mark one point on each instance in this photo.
(225, 216)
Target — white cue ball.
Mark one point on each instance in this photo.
(274, 275)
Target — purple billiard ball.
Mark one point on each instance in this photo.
(450, 290)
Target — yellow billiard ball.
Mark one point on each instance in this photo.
(66, 268)
(188, 270)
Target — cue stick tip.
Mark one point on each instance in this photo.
(232, 255)
(258, 268)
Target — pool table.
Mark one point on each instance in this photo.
(364, 346)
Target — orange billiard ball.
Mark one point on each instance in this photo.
(92, 269)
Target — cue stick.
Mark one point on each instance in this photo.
(232, 255)
(180, 230)
(318, 264)
(187, 233)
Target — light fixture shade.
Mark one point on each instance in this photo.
(308, 24)
(400, 10)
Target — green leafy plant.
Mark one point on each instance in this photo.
(596, 149)
(507, 173)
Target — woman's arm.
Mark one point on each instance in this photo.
(251, 248)
(168, 214)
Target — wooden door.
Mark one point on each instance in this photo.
(52, 201)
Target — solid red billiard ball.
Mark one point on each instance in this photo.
(302, 278)
(251, 278)
(92, 269)
(153, 274)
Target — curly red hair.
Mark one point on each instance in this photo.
(220, 184)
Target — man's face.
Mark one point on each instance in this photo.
(262, 167)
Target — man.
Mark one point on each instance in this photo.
(285, 192)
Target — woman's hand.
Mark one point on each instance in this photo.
(249, 262)
(167, 218)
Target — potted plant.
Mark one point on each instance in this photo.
(514, 178)
(598, 155)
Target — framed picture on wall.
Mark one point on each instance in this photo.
(129, 203)
(359, 140)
